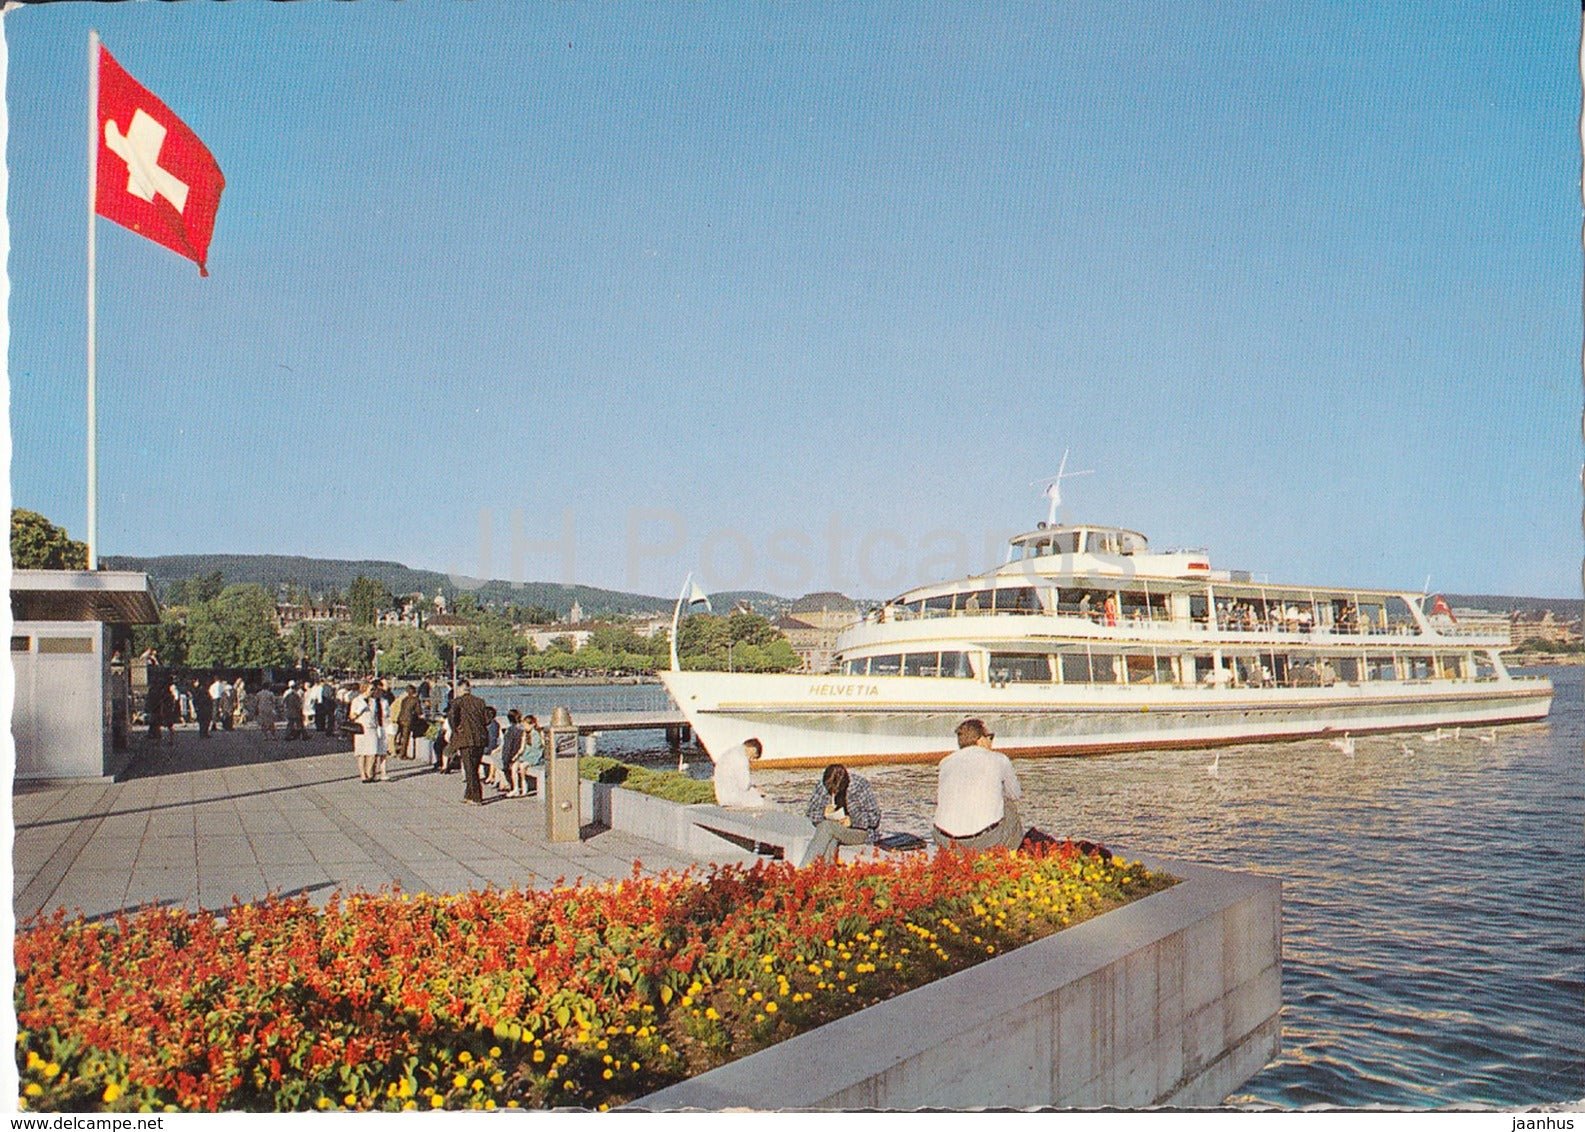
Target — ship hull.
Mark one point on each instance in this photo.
(811, 721)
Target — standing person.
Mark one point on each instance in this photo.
(509, 751)
(292, 709)
(532, 754)
(844, 811)
(325, 706)
(367, 710)
(387, 727)
(732, 787)
(268, 710)
(154, 701)
(203, 707)
(977, 794)
(490, 767)
(219, 691)
(408, 712)
(469, 717)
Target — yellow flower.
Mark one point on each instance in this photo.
(495, 1051)
(410, 1106)
(112, 1091)
(321, 1103)
(607, 1074)
(561, 1059)
(34, 1060)
(51, 1069)
(460, 1081)
(477, 1085)
(664, 1048)
(465, 1057)
(350, 1099)
(436, 1100)
(539, 1055)
(771, 1008)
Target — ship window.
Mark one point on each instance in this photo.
(1381, 668)
(1347, 668)
(1372, 617)
(1017, 600)
(1399, 619)
(1485, 669)
(1453, 666)
(922, 664)
(1418, 667)
(889, 665)
(21, 644)
(1075, 668)
(1148, 669)
(859, 667)
(979, 601)
(956, 664)
(1020, 669)
(1104, 668)
(942, 603)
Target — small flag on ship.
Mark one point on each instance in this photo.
(152, 173)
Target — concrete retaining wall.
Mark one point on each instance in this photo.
(1173, 1000)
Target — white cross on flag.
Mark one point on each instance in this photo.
(154, 176)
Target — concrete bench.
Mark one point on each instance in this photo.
(781, 834)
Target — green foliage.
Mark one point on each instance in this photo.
(367, 599)
(350, 650)
(235, 630)
(742, 642)
(200, 587)
(168, 639)
(406, 651)
(38, 544)
(667, 784)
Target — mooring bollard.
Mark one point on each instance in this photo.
(563, 811)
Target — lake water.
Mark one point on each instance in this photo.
(1433, 935)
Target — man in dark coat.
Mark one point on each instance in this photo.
(408, 713)
(469, 717)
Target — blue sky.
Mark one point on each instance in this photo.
(804, 296)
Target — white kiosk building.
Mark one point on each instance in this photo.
(63, 719)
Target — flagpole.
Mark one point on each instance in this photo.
(93, 191)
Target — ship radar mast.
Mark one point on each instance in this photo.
(1053, 484)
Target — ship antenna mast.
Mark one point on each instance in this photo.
(1053, 484)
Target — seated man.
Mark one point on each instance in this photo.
(732, 786)
(977, 794)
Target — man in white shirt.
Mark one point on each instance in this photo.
(732, 786)
(977, 794)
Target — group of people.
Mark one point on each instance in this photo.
(488, 754)
(977, 795)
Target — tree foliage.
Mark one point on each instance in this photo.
(367, 599)
(235, 630)
(38, 544)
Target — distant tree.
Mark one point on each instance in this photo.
(406, 651)
(743, 641)
(38, 544)
(350, 650)
(367, 599)
(235, 630)
(168, 638)
(200, 587)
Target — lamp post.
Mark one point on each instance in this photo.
(730, 645)
(456, 651)
(376, 661)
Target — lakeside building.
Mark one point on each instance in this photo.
(71, 633)
(446, 624)
(288, 614)
(812, 625)
(1532, 628)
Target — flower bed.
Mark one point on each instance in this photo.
(587, 996)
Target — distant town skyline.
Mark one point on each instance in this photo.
(811, 298)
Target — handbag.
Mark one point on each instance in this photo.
(351, 728)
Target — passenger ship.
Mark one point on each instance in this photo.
(1087, 641)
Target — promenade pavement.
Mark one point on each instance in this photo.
(238, 816)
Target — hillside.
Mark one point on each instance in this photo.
(320, 576)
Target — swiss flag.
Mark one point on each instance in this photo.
(1439, 608)
(154, 176)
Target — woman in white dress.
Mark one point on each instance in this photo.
(368, 711)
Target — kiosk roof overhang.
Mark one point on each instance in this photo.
(117, 597)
